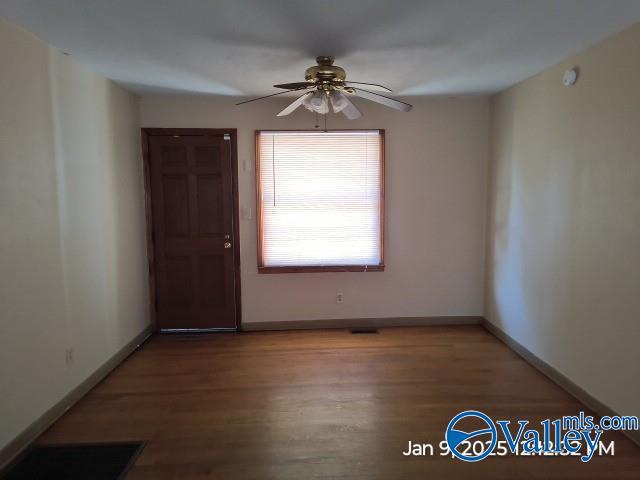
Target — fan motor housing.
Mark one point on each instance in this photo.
(325, 71)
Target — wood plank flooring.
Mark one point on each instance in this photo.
(323, 405)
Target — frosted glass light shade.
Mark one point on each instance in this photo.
(338, 101)
(317, 102)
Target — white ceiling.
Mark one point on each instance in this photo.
(242, 47)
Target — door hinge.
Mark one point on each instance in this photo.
(227, 137)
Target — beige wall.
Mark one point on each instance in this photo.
(72, 249)
(435, 183)
(564, 219)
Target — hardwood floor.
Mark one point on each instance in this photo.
(324, 404)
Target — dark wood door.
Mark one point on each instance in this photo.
(193, 238)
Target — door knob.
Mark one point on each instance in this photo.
(227, 244)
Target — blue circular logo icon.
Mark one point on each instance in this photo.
(462, 443)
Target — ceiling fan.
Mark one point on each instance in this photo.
(326, 88)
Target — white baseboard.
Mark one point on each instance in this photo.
(560, 379)
(361, 322)
(33, 431)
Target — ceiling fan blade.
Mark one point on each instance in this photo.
(293, 105)
(272, 95)
(351, 111)
(349, 82)
(294, 86)
(386, 101)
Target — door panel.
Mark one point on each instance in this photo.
(192, 210)
(175, 195)
(212, 279)
(210, 215)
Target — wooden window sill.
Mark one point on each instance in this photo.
(320, 268)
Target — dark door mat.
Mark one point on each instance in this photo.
(85, 461)
(364, 330)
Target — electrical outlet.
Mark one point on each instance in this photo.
(339, 298)
(68, 355)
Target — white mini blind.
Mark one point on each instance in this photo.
(320, 198)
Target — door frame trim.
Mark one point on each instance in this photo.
(146, 134)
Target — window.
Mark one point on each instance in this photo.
(320, 200)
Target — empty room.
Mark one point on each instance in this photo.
(357, 239)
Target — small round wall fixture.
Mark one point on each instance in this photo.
(570, 77)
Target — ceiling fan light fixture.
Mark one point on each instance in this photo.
(338, 101)
(317, 102)
(324, 90)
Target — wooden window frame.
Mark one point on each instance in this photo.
(317, 268)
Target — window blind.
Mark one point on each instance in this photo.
(320, 197)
